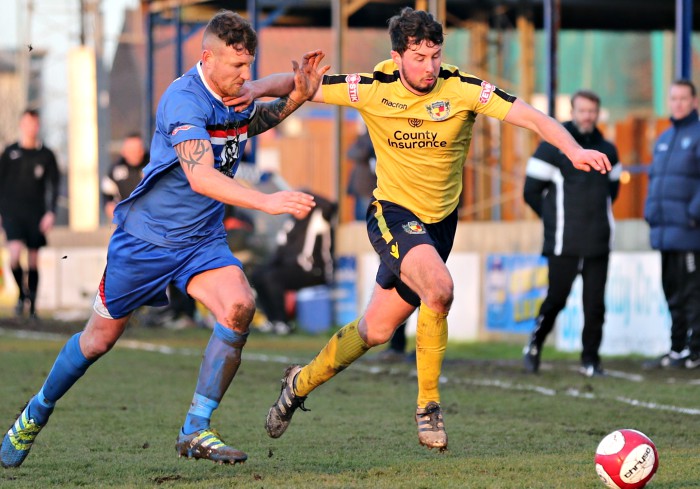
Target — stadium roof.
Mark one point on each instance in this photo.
(623, 15)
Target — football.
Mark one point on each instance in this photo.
(626, 459)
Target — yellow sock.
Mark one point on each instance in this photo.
(342, 349)
(431, 342)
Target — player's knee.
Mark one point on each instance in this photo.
(240, 313)
(95, 346)
(376, 334)
(376, 338)
(440, 296)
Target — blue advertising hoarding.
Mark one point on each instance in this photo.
(516, 285)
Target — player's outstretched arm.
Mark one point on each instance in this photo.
(524, 115)
(197, 161)
(307, 79)
(275, 85)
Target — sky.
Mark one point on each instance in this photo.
(54, 28)
(55, 22)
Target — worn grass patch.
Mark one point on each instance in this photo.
(117, 427)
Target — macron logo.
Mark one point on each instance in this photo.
(181, 128)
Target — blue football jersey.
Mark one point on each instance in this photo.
(164, 209)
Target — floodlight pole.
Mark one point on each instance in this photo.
(254, 19)
(551, 25)
(684, 28)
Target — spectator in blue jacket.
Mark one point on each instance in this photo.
(672, 210)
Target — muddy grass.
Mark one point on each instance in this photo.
(44, 325)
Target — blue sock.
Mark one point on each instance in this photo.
(219, 365)
(69, 366)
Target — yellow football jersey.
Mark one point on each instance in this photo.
(422, 141)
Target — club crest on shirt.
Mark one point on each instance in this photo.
(38, 172)
(439, 111)
(685, 142)
(353, 81)
(414, 227)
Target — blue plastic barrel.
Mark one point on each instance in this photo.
(314, 309)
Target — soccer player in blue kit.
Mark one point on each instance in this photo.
(170, 229)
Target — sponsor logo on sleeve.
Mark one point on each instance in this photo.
(181, 128)
(353, 81)
(486, 91)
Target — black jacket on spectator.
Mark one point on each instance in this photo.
(575, 206)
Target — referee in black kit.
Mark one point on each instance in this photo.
(29, 180)
(576, 211)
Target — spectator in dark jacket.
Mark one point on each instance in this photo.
(362, 180)
(672, 210)
(125, 174)
(576, 211)
(303, 258)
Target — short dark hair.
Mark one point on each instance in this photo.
(587, 94)
(684, 82)
(134, 135)
(31, 112)
(411, 27)
(233, 29)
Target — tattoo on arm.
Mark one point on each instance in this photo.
(192, 153)
(269, 114)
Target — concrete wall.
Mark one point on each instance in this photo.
(72, 265)
(497, 237)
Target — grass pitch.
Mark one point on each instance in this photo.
(117, 426)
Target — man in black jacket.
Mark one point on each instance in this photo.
(576, 210)
(125, 174)
(303, 258)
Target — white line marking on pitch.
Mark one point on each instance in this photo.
(374, 370)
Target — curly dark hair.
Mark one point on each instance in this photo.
(411, 27)
(233, 29)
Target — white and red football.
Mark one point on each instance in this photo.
(626, 459)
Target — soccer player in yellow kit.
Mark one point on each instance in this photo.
(419, 112)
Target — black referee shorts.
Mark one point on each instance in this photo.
(24, 228)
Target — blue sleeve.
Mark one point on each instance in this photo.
(184, 117)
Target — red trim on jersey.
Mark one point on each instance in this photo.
(101, 289)
(232, 132)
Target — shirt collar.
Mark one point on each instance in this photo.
(206, 85)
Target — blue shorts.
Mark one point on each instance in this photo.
(394, 230)
(138, 272)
